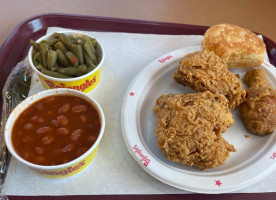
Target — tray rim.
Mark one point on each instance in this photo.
(155, 28)
(173, 28)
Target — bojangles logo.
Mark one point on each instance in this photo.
(141, 155)
(162, 60)
(61, 172)
(86, 84)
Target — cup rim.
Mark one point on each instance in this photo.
(32, 99)
(45, 37)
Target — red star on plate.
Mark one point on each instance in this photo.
(131, 93)
(273, 156)
(218, 183)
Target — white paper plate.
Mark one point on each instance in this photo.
(255, 157)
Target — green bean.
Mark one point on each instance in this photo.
(56, 67)
(57, 35)
(52, 42)
(95, 60)
(61, 46)
(82, 66)
(71, 55)
(87, 60)
(40, 67)
(90, 68)
(94, 42)
(54, 74)
(99, 59)
(92, 57)
(61, 58)
(35, 45)
(35, 62)
(66, 41)
(90, 50)
(72, 58)
(81, 69)
(84, 37)
(38, 57)
(74, 41)
(98, 54)
(51, 58)
(44, 52)
(89, 47)
(77, 50)
(80, 42)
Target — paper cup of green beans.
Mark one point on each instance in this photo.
(68, 59)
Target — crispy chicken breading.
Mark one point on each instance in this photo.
(205, 71)
(189, 128)
(258, 112)
(256, 78)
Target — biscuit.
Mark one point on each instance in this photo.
(239, 47)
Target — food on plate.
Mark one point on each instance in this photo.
(258, 111)
(55, 130)
(256, 78)
(189, 128)
(65, 56)
(205, 71)
(238, 46)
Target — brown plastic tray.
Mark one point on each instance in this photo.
(15, 49)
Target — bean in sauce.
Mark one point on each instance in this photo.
(55, 130)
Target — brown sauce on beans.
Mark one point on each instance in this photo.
(55, 130)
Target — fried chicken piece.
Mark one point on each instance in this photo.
(258, 112)
(256, 78)
(189, 128)
(205, 71)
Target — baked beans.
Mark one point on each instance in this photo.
(56, 130)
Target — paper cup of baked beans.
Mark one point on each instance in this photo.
(56, 132)
(68, 59)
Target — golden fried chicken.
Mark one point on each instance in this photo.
(205, 71)
(258, 112)
(256, 78)
(189, 128)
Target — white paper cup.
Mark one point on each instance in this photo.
(57, 171)
(85, 83)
